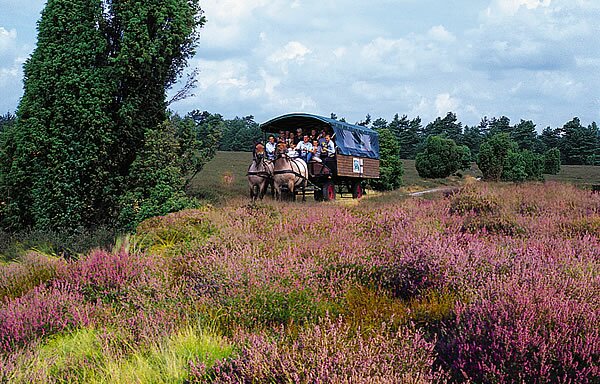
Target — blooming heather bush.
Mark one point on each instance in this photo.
(136, 292)
(329, 352)
(527, 331)
(41, 312)
(407, 277)
(471, 200)
(112, 277)
(17, 278)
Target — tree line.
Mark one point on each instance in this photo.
(578, 144)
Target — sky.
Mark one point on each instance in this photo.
(534, 60)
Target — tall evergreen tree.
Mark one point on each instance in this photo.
(54, 174)
(407, 133)
(579, 144)
(95, 84)
(390, 166)
(499, 125)
(366, 122)
(550, 138)
(525, 135)
(240, 134)
(472, 138)
(448, 127)
(379, 123)
(7, 120)
(484, 127)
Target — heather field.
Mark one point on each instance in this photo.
(491, 284)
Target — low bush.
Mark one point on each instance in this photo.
(523, 165)
(526, 331)
(40, 313)
(68, 245)
(406, 278)
(585, 226)
(470, 200)
(500, 224)
(329, 352)
(270, 307)
(158, 234)
(552, 161)
(32, 270)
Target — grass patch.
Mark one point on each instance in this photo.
(223, 178)
(83, 356)
(33, 269)
(583, 176)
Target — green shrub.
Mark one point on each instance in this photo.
(441, 157)
(522, 165)
(272, 307)
(493, 154)
(552, 161)
(156, 180)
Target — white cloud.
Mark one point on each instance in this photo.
(510, 7)
(445, 103)
(293, 50)
(340, 52)
(8, 44)
(532, 59)
(7, 37)
(439, 33)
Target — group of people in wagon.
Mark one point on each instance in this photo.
(309, 147)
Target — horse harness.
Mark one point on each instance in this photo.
(284, 171)
(263, 174)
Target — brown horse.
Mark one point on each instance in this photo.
(289, 174)
(260, 173)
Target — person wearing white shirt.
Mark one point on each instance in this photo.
(328, 147)
(270, 148)
(305, 149)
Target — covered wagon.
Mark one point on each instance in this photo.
(356, 157)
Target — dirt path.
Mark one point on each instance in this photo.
(433, 190)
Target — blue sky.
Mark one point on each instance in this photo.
(525, 59)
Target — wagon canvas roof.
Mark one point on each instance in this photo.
(351, 140)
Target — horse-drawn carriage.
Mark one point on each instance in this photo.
(344, 172)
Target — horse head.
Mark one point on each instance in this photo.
(281, 149)
(259, 153)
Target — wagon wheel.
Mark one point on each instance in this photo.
(357, 190)
(329, 191)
